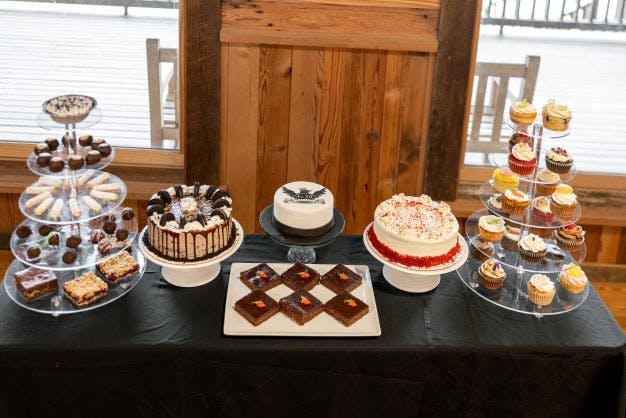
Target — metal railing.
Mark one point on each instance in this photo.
(606, 15)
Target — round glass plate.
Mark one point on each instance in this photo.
(51, 256)
(57, 303)
(64, 153)
(536, 127)
(500, 159)
(513, 294)
(79, 186)
(525, 218)
(46, 122)
(552, 262)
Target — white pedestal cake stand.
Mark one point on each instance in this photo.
(192, 274)
(415, 280)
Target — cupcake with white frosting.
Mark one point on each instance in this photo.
(491, 274)
(564, 201)
(556, 117)
(541, 290)
(491, 227)
(522, 113)
(522, 159)
(532, 248)
(559, 160)
(548, 182)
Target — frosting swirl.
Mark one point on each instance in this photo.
(493, 269)
(548, 176)
(523, 108)
(542, 283)
(491, 223)
(512, 233)
(559, 155)
(516, 196)
(505, 176)
(496, 201)
(571, 231)
(556, 110)
(542, 203)
(532, 242)
(566, 199)
(523, 152)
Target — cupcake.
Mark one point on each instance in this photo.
(491, 274)
(549, 181)
(572, 278)
(541, 210)
(522, 159)
(481, 249)
(495, 204)
(532, 248)
(523, 113)
(514, 201)
(491, 227)
(520, 137)
(504, 179)
(541, 290)
(511, 238)
(558, 160)
(569, 237)
(564, 201)
(556, 117)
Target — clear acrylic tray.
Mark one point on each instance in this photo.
(500, 159)
(64, 153)
(537, 125)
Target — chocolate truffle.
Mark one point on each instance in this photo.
(73, 241)
(128, 214)
(69, 257)
(105, 150)
(76, 162)
(109, 227)
(93, 157)
(109, 217)
(43, 159)
(39, 148)
(68, 140)
(45, 230)
(85, 140)
(96, 236)
(96, 142)
(23, 231)
(33, 251)
(53, 143)
(104, 246)
(121, 234)
(56, 165)
(53, 238)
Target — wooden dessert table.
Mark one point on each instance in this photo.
(160, 352)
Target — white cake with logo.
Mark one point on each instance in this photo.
(303, 209)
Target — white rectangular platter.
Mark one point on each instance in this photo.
(322, 325)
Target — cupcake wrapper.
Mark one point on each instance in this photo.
(567, 244)
(558, 167)
(490, 236)
(490, 282)
(542, 218)
(544, 189)
(554, 124)
(539, 298)
(530, 256)
(522, 119)
(562, 211)
(514, 208)
(501, 186)
(571, 287)
(509, 244)
(477, 254)
(523, 168)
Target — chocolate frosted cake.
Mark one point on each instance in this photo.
(189, 223)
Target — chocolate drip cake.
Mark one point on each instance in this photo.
(189, 223)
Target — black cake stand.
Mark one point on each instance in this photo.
(301, 249)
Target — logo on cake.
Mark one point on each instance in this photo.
(304, 196)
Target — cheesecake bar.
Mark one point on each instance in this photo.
(301, 306)
(261, 277)
(33, 283)
(301, 277)
(118, 267)
(85, 289)
(257, 307)
(341, 279)
(346, 308)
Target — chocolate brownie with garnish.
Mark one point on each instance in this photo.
(341, 279)
(301, 306)
(300, 277)
(346, 308)
(257, 307)
(261, 277)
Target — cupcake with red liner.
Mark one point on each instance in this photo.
(511, 238)
(541, 290)
(514, 201)
(532, 248)
(522, 159)
(491, 227)
(549, 181)
(541, 210)
(491, 274)
(564, 201)
(520, 138)
(481, 249)
(573, 279)
(522, 113)
(558, 160)
(570, 237)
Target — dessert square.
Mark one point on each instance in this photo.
(341, 279)
(261, 277)
(346, 308)
(119, 267)
(85, 289)
(301, 306)
(257, 307)
(33, 283)
(300, 277)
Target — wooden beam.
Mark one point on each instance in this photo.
(199, 88)
(452, 90)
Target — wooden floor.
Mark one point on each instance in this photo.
(582, 69)
(613, 294)
(46, 54)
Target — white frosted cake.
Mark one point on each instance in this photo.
(415, 231)
(303, 209)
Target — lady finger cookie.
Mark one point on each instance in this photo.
(92, 204)
(98, 194)
(43, 206)
(33, 201)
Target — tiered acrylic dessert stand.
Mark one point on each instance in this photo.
(66, 224)
(513, 294)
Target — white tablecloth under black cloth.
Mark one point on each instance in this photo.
(160, 352)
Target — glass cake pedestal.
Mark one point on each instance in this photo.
(414, 279)
(301, 249)
(191, 274)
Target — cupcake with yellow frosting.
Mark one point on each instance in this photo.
(549, 181)
(532, 248)
(541, 290)
(523, 113)
(491, 274)
(491, 227)
(572, 278)
(515, 201)
(564, 201)
(522, 159)
(556, 117)
(504, 179)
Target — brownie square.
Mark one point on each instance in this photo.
(33, 283)
(261, 277)
(301, 277)
(119, 267)
(256, 307)
(346, 308)
(301, 306)
(341, 279)
(85, 289)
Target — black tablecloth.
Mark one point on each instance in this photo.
(160, 352)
